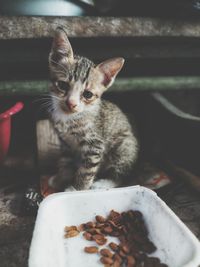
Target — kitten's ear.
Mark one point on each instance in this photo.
(61, 46)
(110, 69)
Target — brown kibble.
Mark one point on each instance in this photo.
(115, 233)
(100, 225)
(92, 249)
(114, 214)
(100, 219)
(71, 233)
(89, 225)
(136, 254)
(149, 247)
(131, 262)
(131, 214)
(98, 237)
(101, 242)
(124, 230)
(108, 230)
(106, 260)
(138, 214)
(94, 231)
(69, 228)
(138, 238)
(122, 238)
(116, 264)
(113, 246)
(81, 227)
(152, 261)
(125, 249)
(106, 253)
(122, 254)
(117, 258)
(113, 224)
(130, 229)
(87, 236)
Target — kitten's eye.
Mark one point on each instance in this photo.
(87, 94)
(64, 86)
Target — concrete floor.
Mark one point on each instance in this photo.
(15, 231)
(185, 202)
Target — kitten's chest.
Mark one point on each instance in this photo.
(74, 132)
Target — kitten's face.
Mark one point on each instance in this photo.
(77, 84)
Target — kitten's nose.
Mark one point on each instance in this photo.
(71, 104)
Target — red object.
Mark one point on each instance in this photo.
(5, 127)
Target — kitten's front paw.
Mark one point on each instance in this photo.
(103, 184)
(70, 189)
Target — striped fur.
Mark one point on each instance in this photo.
(97, 135)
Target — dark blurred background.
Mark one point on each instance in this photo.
(160, 8)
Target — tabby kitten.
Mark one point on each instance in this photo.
(99, 147)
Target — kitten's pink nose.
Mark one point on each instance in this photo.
(71, 104)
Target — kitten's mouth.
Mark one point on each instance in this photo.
(68, 111)
(72, 112)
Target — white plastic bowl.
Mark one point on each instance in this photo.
(176, 244)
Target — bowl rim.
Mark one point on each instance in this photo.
(196, 256)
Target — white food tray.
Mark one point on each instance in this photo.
(176, 244)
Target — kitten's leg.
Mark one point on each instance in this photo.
(65, 174)
(120, 161)
(91, 157)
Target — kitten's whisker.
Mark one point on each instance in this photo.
(49, 98)
(45, 104)
(55, 97)
(41, 99)
(44, 95)
(44, 107)
(49, 104)
(50, 109)
(47, 101)
(47, 108)
(60, 72)
(47, 93)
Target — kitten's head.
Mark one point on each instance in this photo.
(77, 83)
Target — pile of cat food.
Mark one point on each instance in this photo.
(130, 229)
